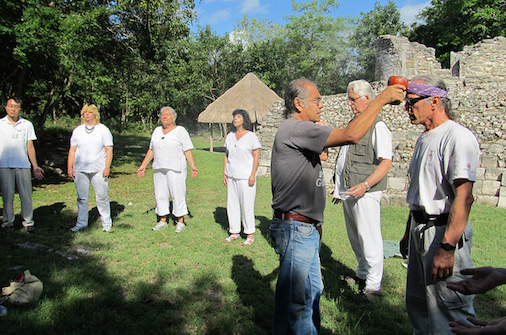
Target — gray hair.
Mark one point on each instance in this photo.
(298, 88)
(174, 114)
(436, 81)
(362, 88)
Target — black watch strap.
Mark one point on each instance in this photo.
(447, 246)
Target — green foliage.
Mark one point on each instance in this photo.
(382, 20)
(449, 25)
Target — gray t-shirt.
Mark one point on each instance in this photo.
(296, 173)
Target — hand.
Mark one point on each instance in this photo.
(443, 264)
(38, 172)
(476, 327)
(71, 173)
(194, 170)
(225, 179)
(357, 190)
(106, 172)
(251, 180)
(140, 171)
(482, 280)
(393, 93)
(335, 201)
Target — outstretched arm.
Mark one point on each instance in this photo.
(357, 128)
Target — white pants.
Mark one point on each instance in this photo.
(241, 197)
(101, 187)
(10, 177)
(167, 184)
(363, 224)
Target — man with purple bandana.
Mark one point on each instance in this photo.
(442, 172)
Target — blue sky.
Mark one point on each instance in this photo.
(222, 15)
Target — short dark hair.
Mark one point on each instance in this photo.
(16, 100)
(245, 116)
(298, 88)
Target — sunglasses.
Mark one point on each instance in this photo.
(410, 102)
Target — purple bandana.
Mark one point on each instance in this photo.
(424, 90)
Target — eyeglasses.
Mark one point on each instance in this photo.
(410, 102)
(13, 107)
(353, 99)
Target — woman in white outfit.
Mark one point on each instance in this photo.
(239, 175)
(170, 147)
(89, 160)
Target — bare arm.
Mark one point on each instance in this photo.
(189, 157)
(37, 171)
(381, 171)
(357, 128)
(142, 169)
(457, 222)
(108, 161)
(256, 159)
(225, 178)
(70, 161)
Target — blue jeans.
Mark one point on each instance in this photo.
(299, 286)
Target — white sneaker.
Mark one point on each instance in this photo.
(160, 225)
(106, 228)
(180, 227)
(77, 228)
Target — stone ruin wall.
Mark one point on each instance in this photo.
(477, 85)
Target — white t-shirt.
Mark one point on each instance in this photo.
(441, 155)
(168, 149)
(90, 153)
(13, 139)
(382, 142)
(240, 158)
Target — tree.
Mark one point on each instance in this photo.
(381, 20)
(449, 25)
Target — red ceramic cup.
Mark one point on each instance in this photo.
(398, 80)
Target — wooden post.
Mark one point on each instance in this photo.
(211, 138)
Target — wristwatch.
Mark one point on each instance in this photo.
(367, 187)
(447, 246)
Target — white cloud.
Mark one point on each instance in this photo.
(218, 16)
(409, 11)
(252, 6)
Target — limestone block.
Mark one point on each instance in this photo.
(489, 162)
(397, 184)
(480, 173)
(493, 174)
(502, 202)
(262, 171)
(490, 187)
(503, 179)
(486, 200)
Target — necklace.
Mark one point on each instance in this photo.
(89, 130)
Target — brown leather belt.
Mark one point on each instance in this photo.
(293, 216)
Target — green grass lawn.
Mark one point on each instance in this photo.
(136, 281)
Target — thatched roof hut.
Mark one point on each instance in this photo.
(249, 93)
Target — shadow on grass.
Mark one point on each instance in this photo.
(254, 290)
(82, 296)
(215, 149)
